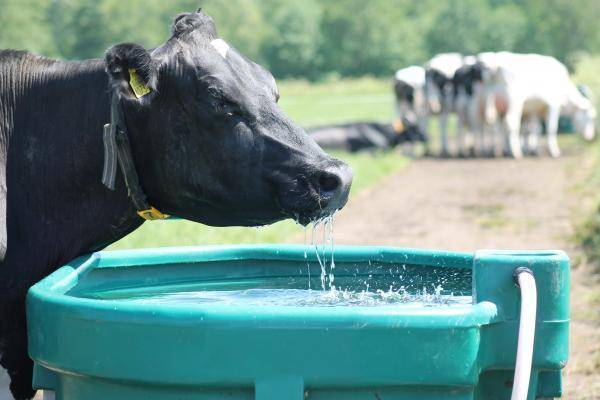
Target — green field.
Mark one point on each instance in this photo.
(309, 105)
(346, 100)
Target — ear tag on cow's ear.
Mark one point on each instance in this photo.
(138, 87)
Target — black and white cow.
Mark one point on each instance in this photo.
(207, 141)
(411, 106)
(468, 90)
(439, 73)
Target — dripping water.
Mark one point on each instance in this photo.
(306, 255)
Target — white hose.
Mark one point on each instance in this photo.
(526, 281)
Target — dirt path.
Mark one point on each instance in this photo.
(475, 204)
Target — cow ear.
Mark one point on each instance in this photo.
(131, 70)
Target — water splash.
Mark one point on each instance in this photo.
(322, 241)
(316, 248)
(306, 255)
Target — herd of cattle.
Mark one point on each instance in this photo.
(504, 102)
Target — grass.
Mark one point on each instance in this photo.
(309, 105)
(587, 232)
(337, 101)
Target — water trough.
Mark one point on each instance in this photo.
(107, 326)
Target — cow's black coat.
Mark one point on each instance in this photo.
(209, 144)
(442, 82)
(404, 91)
(466, 77)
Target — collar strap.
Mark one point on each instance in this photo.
(118, 150)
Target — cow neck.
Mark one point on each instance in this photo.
(117, 149)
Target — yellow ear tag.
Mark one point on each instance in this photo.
(137, 85)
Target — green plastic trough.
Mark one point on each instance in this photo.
(89, 343)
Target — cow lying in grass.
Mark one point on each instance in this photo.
(361, 136)
(199, 135)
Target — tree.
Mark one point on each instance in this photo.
(505, 28)
(460, 27)
(290, 46)
(561, 27)
(241, 23)
(313, 38)
(24, 26)
(374, 37)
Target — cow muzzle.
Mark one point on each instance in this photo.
(333, 186)
(318, 194)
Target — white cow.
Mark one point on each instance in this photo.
(522, 87)
(411, 105)
(439, 90)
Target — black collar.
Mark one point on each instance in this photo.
(118, 149)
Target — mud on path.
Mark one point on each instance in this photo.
(501, 204)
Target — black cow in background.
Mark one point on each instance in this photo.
(202, 133)
(360, 136)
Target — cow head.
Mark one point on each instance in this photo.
(585, 116)
(585, 121)
(209, 141)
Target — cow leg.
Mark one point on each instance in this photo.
(477, 129)
(464, 137)
(512, 125)
(423, 125)
(13, 328)
(552, 130)
(444, 134)
(533, 135)
(490, 131)
(524, 135)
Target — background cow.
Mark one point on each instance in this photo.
(526, 87)
(208, 141)
(360, 136)
(439, 91)
(469, 95)
(410, 103)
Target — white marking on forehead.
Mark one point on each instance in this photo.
(221, 46)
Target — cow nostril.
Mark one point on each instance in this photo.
(329, 182)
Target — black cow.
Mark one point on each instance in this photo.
(205, 139)
(360, 136)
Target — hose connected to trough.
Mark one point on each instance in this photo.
(526, 282)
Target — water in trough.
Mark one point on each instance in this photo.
(369, 284)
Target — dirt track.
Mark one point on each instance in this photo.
(501, 204)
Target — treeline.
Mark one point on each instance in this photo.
(313, 38)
